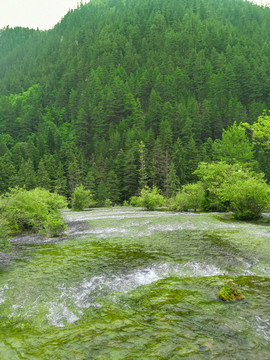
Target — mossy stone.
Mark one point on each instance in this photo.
(230, 292)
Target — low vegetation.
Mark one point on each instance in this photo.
(221, 187)
(4, 244)
(230, 292)
(224, 187)
(36, 210)
(190, 197)
(150, 198)
(82, 198)
(247, 197)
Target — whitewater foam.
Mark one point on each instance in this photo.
(59, 315)
(88, 292)
(2, 293)
(263, 327)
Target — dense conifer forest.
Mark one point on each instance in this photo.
(126, 93)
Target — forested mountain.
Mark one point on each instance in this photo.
(126, 93)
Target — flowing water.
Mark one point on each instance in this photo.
(130, 284)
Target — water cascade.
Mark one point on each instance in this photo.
(130, 284)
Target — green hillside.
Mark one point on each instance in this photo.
(126, 93)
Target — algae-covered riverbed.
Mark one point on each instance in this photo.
(130, 284)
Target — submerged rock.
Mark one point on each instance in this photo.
(230, 292)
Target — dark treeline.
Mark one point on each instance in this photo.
(127, 93)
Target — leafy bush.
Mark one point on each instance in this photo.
(235, 188)
(54, 225)
(151, 199)
(136, 201)
(81, 199)
(108, 203)
(213, 176)
(190, 197)
(248, 198)
(4, 244)
(32, 210)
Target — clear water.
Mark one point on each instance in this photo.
(130, 284)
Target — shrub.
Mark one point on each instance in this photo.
(4, 243)
(235, 188)
(248, 198)
(54, 225)
(151, 198)
(81, 199)
(108, 203)
(213, 176)
(190, 197)
(30, 210)
(136, 201)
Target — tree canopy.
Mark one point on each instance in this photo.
(125, 94)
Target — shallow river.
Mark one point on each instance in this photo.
(130, 284)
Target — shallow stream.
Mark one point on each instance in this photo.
(131, 284)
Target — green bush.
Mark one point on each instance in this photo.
(32, 210)
(54, 225)
(247, 198)
(108, 203)
(213, 176)
(4, 243)
(235, 188)
(151, 199)
(81, 199)
(190, 197)
(136, 201)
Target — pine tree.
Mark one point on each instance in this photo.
(3, 147)
(43, 179)
(112, 187)
(61, 186)
(172, 182)
(153, 115)
(27, 175)
(192, 160)
(89, 181)
(102, 193)
(179, 161)
(74, 175)
(7, 173)
(131, 172)
(143, 176)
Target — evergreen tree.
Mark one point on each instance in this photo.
(172, 182)
(112, 187)
(143, 176)
(172, 76)
(27, 175)
(74, 175)
(43, 179)
(192, 160)
(102, 193)
(7, 173)
(131, 173)
(179, 160)
(61, 186)
(234, 147)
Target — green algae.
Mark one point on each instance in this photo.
(230, 292)
(136, 287)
